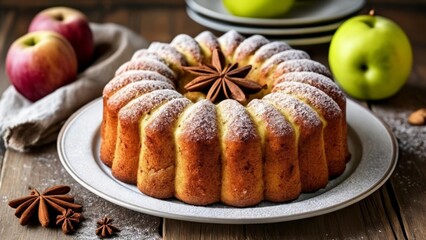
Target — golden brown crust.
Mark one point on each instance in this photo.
(331, 115)
(148, 65)
(189, 48)
(281, 164)
(198, 164)
(208, 42)
(326, 85)
(169, 54)
(158, 153)
(110, 112)
(300, 65)
(229, 42)
(242, 163)
(126, 157)
(248, 47)
(312, 161)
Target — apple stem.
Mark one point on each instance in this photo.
(30, 42)
(59, 17)
(371, 12)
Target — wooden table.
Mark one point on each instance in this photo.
(397, 210)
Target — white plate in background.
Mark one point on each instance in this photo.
(224, 27)
(303, 12)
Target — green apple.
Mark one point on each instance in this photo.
(258, 8)
(370, 57)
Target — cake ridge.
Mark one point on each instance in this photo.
(332, 117)
(147, 64)
(158, 153)
(297, 107)
(242, 171)
(268, 50)
(189, 48)
(132, 76)
(260, 107)
(132, 109)
(281, 173)
(198, 175)
(127, 150)
(300, 65)
(248, 47)
(207, 109)
(174, 58)
(134, 89)
(311, 154)
(208, 42)
(280, 57)
(314, 97)
(229, 42)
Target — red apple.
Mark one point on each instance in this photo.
(70, 23)
(40, 62)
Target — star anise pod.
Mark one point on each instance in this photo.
(68, 220)
(53, 199)
(221, 79)
(105, 228)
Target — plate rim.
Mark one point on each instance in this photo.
(320, 39)
(225, 26)
(161, 213)
(197, 7)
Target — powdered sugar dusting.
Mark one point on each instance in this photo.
(270, 49)
(229, 43)
(133, 90)
(200, 122)
(130, 223)
(189, 48)
(302, 65)
(145, 53)
(298, 111)
(282, 57)
(145, 103)
(319, 81)
(168, 113)
(169, 53)
(147, 64)
(248, 47)
(236, 122)
(322, 103)
(273, 119)
(132, 76)
(208, 42)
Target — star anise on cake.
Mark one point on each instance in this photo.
(68, 220)
(105, 227)
(52, 199)
(222, 80)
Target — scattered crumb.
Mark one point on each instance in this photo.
(418, 117)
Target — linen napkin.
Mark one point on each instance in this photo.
(24, 125)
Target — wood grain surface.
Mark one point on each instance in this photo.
(395, 211)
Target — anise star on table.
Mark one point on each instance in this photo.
(53, 199)
(68, 220)
(223, 79)
(105, 227)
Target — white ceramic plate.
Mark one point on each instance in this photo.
(224, 27)
(374, 156)
(296, 40)
(303, 12)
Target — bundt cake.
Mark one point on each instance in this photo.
(230, 119)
